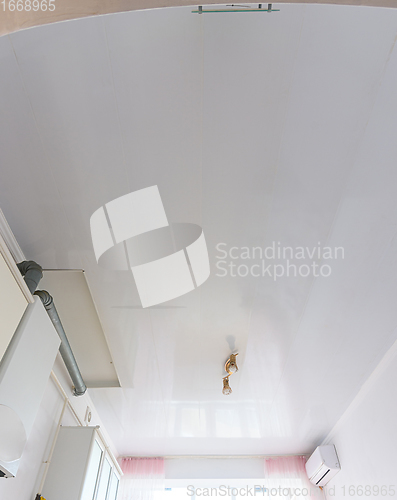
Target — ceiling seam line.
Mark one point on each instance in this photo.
(387, 246)
(359, 142)
(279, 151)
(159, 374)
(116, 103)
(276, 173)
(201, 205)
(215, 457)
(333, 223)
(43, 147)
(362, 392)
(354, 161)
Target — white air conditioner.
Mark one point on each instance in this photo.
(322, 465)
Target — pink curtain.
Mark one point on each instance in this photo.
(286, 478)
(142, 478)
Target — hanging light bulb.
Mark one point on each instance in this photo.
(231, 364)
(226, 387)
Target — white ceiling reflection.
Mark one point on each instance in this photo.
(259, 129)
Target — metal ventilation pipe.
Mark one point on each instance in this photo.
(32, 274)
(65, 349)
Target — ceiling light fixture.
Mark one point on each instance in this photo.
(236, 8)
(230, 367)
(226, 387)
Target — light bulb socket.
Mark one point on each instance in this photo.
(226, 387)
(231, 364)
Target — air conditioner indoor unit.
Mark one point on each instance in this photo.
(322, 465)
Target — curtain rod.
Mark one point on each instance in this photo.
(178, 457)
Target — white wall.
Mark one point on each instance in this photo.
(366, 437)
(25, 485)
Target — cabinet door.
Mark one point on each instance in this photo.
(12, 305)
(114, 487)
(104, 480)
(91, 477)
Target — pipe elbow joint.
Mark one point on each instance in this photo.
(45, 297)
(29, 265)
(79, 392)
(32, 273)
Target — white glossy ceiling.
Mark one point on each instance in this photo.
(259, 128)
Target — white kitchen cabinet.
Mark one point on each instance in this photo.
(80, 468)
(24, 372)
(13, 304)
(114, 486)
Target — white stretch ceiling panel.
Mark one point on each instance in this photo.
(76, 309)
(275, 133)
